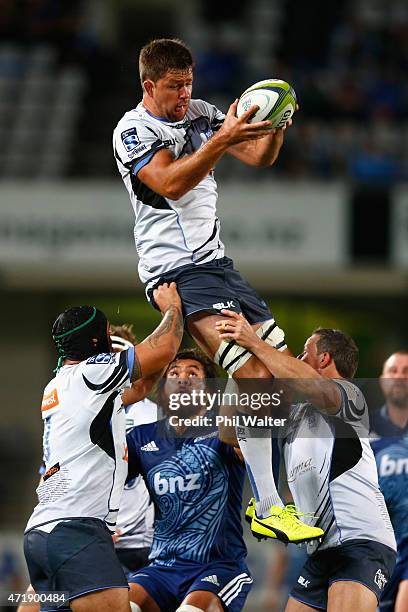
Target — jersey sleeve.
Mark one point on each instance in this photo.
(217, 118)
(213, 114)
(353, 409)
(109, 372)
(134, 467)
(135, 143)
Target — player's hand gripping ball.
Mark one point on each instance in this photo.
(276, 100)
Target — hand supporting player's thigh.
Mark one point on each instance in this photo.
(202, 327)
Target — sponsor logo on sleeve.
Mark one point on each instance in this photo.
(129, 139)
(102, 358)
(50, 400)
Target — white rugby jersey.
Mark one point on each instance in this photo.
(332, 474)
(169, 233)
(84, 441)
(136, 512)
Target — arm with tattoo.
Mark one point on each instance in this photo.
(159, 349)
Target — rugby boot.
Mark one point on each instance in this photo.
(282, 524)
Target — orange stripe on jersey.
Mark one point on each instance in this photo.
(50, 400)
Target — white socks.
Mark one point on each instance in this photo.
(257, 453)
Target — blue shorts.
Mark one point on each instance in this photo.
(211, 287)
(387, 602)
(77, 557)
(170, 585)
(364, 561)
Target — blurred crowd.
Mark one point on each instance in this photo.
(346, 62)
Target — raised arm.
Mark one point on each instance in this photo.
(174, 178)
(259, 153)
(159, 349)
(322, 392)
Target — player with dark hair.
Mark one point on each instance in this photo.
(68, 539)
(331, 471)
(166, 150)
(390, 423)
(195, 481)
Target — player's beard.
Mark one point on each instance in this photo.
(396, 393)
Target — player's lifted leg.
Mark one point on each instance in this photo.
(266, 514)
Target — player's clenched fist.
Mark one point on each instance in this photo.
(166, 295)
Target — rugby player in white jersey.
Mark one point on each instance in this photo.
(166, 149)
(68, 540)
(331, 472)
(134, 526)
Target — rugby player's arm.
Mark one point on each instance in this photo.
(260, 153)
(140, 389)
(160, 348)
(174, 178)
(323, 393)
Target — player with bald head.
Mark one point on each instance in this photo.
(390, 425)
(392, 418)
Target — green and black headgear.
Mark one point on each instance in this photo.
(74, 333)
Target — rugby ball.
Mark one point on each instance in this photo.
(276, 100)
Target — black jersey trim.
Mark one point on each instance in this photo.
(347, 448)
(100, 431)
(147, 196)
(114, 380)
(212, 236)
(208, 254)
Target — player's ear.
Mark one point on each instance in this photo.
(148, 87)
(324, 359)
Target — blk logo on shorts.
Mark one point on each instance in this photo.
(221, 305)
(305, 583)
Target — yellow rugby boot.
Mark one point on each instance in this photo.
(283, 524)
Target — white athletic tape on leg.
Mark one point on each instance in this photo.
(189, 608)
(231, 356)
(134, 607)
(272, 334)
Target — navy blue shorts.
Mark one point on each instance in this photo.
(387, 602)
(211, 287)
(132, 559)
(77, 557)
(364, 561)
(170, 585)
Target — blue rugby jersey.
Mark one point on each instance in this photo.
(196, 485)
(391, 455)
